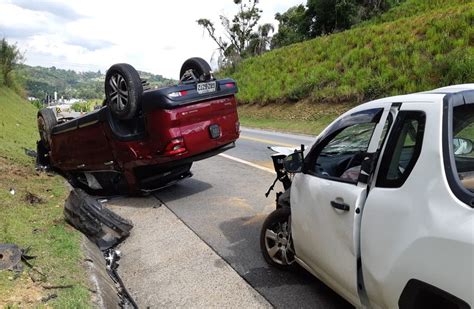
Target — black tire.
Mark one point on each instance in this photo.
(201, 69)
(278, 223)
(46, 122)
(123, 89)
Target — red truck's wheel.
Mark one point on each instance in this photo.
(46, 122)
(123, 89)
(199, 67)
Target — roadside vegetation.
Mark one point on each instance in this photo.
(87, 106)
(40, 82)
(31, 208)
(416, 46)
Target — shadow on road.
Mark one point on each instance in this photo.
(182, 190)
(243, 234)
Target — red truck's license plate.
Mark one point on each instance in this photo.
(206, 87)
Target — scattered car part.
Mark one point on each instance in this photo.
(32, 198)
(100, 224)
(112, 257)
(106, 229)
(123, 90)
(30, 152)
(10, 256)
(49, 297)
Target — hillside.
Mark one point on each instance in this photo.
(17, 127)
(40, 81)
(419, 45)
(33, 217)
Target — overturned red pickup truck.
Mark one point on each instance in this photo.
(142, 139)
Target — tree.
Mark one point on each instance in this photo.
(293, 27)
(238, 31)
(370, 8)
(327, 16)
(10, 56)
(260, 41)
(321, 17)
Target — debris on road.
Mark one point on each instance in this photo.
(30, 153)
(54, 287)
(105, 228)
(49, 297)
(32, 199)
(10, 257)
(112, 257)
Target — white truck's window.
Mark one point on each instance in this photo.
(463, 135)
(403, 148)
(342, 155)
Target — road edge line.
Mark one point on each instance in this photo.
(248, 163)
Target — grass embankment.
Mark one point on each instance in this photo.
(416, 46)
(32, 223)
(298, 118)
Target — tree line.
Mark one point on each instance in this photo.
(244, 37)
(10, 57)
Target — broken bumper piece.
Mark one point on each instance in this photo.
(100, 224)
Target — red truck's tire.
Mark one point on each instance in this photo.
(123, 89)
(274, 223)
(201, 69)
(46, 122)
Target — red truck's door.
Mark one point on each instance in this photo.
(82, 145)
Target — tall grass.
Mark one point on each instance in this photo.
(39, 226)
(392, 55)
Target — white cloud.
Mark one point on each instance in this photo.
(153, 36)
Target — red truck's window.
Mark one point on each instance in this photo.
(463, 136)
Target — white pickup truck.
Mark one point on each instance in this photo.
(380, 208)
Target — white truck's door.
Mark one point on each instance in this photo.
(395, 215)
(327, 197)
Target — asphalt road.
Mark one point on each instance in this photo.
(224, 205)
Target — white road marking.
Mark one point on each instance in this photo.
(267, 141)
(248, 163)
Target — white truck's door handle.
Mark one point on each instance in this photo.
(340, 206)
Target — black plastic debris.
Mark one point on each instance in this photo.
(10, 257)
(112, 258)
(106, 229)
(30, 152)
(101, 225)
(42, 157)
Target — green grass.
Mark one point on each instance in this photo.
(305, 127)
(298, 118)
(38, 226)
(419, 45)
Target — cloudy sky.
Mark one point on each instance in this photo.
(84, 35)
